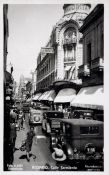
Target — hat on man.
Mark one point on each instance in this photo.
(58, 154)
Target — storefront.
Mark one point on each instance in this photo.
(41, 98)
(49, 98)
(64, 97)
(90, 98)
(35, 98)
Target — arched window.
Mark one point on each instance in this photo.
(70, 39)
(70, 33)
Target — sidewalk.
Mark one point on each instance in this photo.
(40, 152)
(20, 160)
(20, 156)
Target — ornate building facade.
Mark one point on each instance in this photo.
(91, 95)
(62, 56)
(91, 71)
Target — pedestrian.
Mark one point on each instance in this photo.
(29, 141)
(13, 133)
(20, 120)
(13, 115)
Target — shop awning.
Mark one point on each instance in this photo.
(65, 95)
(45, 97)
(42, 96)
(36, 96)
(50, 95)
(89, 97)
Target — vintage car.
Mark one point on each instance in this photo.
(41, 106)
(80, 139)
(50, 121)
(87, 114)
(36, 115)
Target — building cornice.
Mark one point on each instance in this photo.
(96, 13)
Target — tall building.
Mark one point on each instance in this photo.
(91, 95)
(8, 93)
(33, 73)
(22, 89)
(91, 71)
(6, 33)
(62, 56)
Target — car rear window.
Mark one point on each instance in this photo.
(54, 115)
(89, 130)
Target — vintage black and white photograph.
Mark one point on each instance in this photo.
(53, 64)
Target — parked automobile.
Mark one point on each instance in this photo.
(80, 139)
(87, 114)
(50, 121)
(42, 107)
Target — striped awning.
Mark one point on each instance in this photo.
(50, 95)
(42, 96)
(65, 95)
(36, 96)
(89, 97)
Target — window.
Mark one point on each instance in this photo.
(70, 33)
(69, 44)
(49, 65)
(89, 130)
(89, 54)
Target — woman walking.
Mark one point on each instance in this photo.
(20, 120)
(29, 142)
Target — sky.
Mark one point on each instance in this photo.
(30, 26)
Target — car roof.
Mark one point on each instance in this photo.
(59, 112)
(44, 106)
(81, 121)
(81, 110)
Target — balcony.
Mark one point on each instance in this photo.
(70, 41)
(97, 64)
(84, 70)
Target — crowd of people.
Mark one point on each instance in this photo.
(17, 119)
(16, 123)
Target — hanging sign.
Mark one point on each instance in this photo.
(45, 50)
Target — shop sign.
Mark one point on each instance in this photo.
(45, 50)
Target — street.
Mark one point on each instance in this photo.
(40, 151)
(41, 155)
(53, 81)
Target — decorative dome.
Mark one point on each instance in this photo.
(72, 8)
